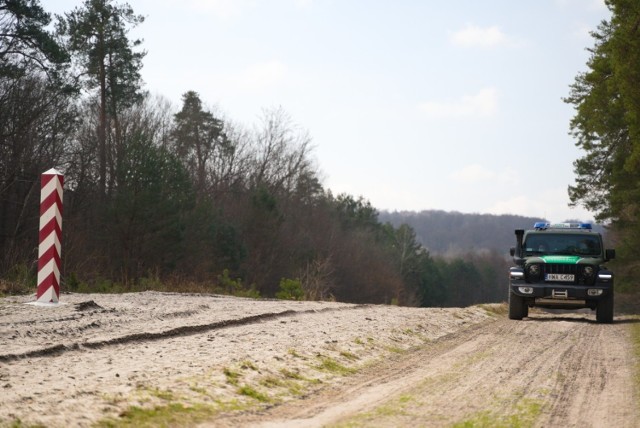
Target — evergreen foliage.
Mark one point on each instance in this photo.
(607, 128)
(25, 44)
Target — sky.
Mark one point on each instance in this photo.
(411, 104)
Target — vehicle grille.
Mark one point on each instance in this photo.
(584, 274)
(560, 268)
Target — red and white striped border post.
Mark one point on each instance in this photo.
(49, 250)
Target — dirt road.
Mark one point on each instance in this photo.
(547, 371)
(192, 360)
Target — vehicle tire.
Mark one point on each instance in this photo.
(518, 309)
(604, 310)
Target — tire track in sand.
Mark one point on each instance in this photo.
(59, 349)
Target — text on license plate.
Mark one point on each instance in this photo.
(560, 277)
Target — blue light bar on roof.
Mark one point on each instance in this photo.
(542, 226)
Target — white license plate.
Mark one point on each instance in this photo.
(564, 277)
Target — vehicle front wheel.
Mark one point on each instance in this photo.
(604, 310)
(518, 308)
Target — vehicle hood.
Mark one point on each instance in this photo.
(564, 260)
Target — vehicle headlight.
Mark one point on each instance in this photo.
(534, 272)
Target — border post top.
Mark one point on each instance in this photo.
(52, 171)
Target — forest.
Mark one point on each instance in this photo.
(177, 198)
(450, 233)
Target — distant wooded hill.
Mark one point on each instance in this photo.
(451, 233)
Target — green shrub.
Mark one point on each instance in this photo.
(71, 282)
(19, 280)
(290, 289)
(227, 285)
(150, 282)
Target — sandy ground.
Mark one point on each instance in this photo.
(93, 356)
(242, 362)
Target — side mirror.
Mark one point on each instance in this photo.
(609, 254)
(512, 251)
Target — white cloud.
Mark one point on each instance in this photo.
(473, 36)
(260, 76)
(482, 104)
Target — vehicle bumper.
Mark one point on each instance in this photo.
(551, 292)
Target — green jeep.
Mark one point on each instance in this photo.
(560, 266)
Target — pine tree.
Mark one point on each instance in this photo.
(199, 137)
(24, 40)
(97, 35)
(607, 120)
(607, 126)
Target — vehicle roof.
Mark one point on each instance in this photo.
(566, 227)
(562, 232)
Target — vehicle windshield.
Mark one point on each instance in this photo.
(562, 243)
